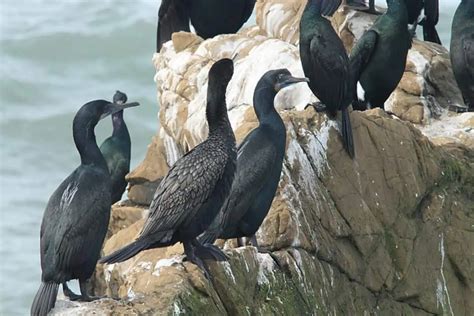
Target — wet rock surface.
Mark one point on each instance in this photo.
(390, 232)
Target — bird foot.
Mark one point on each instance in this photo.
(208, 251)
(318, 107)
(87, 298)
(373, 11)
(189, 251)
(458, 109)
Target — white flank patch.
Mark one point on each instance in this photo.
(68, 195)
(360, 92)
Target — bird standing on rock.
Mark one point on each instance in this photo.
(208, 17)
(425, 13)
(259, 163)
(462, 50)
(77, 215)
(117, 151)
(192, 193)
(326, 64)
(378, 58)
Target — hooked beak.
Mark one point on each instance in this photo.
(287, 81)
(112, 108)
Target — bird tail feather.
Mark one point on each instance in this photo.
(430, 34)
(125, 253)
(45, 299)
(347, 133)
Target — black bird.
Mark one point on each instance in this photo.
(191, 195)
(77, 215)
(208, 17)
(326, 64)
(425, 13)
(116, 151)
(462, 50)
(259, 164)
(379, 57)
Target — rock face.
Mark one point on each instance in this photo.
(389, 233)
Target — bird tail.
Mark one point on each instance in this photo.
(125, 253)
(347, 133)
(45, 299)
(430, 34)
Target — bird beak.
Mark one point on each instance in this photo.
(112, 108)
(287, 81)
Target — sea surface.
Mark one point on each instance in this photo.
(55, 56)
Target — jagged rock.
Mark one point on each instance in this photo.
(390, 232)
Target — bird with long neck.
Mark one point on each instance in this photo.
(192, 193)
(259, 164)
(326, 64)
(462, 51)
(77, 214)
(378, 59)
(117, 150)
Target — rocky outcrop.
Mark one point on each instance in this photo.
(389, 233)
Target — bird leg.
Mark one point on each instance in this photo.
(241, 242)
(209, 251)
(70, 294)
(84, 296)
(372, 8)
(253, 242)
(191, 256)
(318, 107)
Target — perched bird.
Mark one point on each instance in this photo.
(208, 17)
(361, 5)
(259, 164)
(425, 13)
(326, 64)
(192, 193)
(378, 59)
(116, 150)
(77, 215)
(462, 50)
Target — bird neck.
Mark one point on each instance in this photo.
(263, 100)
(216, 108)
(119, 127)
(84, 138)
(398, 9)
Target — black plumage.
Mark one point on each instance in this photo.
(326, 64)
(77, 214)
(425, 13)
(208, 17)
(462, 50)
(259, 164)
(192, 193)
(378, 59)
(117, 151)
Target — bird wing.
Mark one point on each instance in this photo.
(255, 160)
(362, 52)
(173, 17)
(188, 185)
(76, 219)
(432, 11)
(328, 7)
(248, 9)
(327, 55)
(468, 50)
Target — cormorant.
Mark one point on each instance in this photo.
(326, 64)
(192, 193)
(77, 215)
(425, 13)
(208, 17)
(378, 59)
(259, 164)
(462, 50)
(116, 151)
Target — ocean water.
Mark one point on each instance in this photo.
(55, 56)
